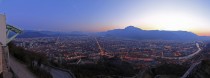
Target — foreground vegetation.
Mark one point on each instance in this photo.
(29, 58)
(103, 68)
(109, 67)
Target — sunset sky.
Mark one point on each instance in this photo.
(102, 15)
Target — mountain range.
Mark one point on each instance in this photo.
(33, 34)
(130, 32)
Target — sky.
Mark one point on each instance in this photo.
(102, 15)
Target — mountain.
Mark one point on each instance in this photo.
(129, 32)
(33, 34)
(132, 32)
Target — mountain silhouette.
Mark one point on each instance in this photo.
(132, 32)
(129, 32)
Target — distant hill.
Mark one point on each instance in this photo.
(129, 32)
(132, 32)
(33, 34)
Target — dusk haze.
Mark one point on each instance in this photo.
(100, 15)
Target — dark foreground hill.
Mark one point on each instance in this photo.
(201, 70)
(129, 32)
(104, 68)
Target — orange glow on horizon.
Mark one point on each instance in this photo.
(199, 33)
(203, 33)
(103, 28)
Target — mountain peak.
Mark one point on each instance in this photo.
(137, 33)
(132, 28)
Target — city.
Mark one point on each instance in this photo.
(104, 39)
(75, 49)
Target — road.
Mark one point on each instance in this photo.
(59, 74)
(99, 46)
(20, 69)
(190, 69)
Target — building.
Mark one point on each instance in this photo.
(3, 29)
(2, 38)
